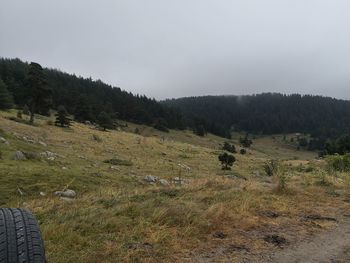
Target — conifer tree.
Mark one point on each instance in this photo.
(83, 110)
(226, 160)
(62, 118)
(39, 91)
(105, 121)
(5, 97)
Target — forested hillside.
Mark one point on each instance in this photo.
(86, 98)
(267, 113)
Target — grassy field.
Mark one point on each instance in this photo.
(118, 217)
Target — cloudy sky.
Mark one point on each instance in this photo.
(176, 48)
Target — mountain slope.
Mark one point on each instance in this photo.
(267, 113)
(79, 94)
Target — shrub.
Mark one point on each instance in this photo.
(340, 163)
(229, 147)
(271, 167)
(281, 178)
(116, 161)
(243, 151)
(97, 138)
(19, 114)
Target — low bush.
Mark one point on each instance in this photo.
(340, 163)
(116, 161)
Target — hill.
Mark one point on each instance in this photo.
(86, 98)
(201, 214)
(267, 113)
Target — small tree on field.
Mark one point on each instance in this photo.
(105, 121)
(242, 151)
(229, 147)
(62, 118)
(5, 97)
(226, 160)
(246, 142)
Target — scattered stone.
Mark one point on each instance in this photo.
(51, 158)
(275, 239)
(67, 193)
(319, 217)
(42, 143)
(146, 246)
(114, 167)
(4, 141)
(220, 235)
(31, 155)
(66, 199)
(42, 194)
(184, 166)
(19, 156)
(88, 122)
(164, 182)
(270, 214)
(179, 181)
(150, 179)
(49, 154)
(27, 139)
(20, 191)
(64, 168)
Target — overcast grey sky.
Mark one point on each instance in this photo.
(175, 48)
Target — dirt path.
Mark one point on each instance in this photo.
(330, 247)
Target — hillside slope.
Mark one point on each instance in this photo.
(204, 212)
(86, 98)
(268, 113)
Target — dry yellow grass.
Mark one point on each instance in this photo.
(117, 217)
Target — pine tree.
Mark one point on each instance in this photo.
(105, 121)
(62, 118)
(226, 160)
(199, 130)
(26, 110)
(83, 110)
(39, 91)
(229, 147)
(5, 97)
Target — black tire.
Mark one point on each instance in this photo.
(20, 237)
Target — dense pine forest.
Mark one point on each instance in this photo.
(267, 113)
(86, 98)
(326, 120)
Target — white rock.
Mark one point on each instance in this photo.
(150, 179)
(163, 182)
(67, 193)
(19, 156)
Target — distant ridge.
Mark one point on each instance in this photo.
(267, 113)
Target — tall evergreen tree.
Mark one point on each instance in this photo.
(105, 121)
(5, 97)
(39, 91)
(62, 118)
(83, 111)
